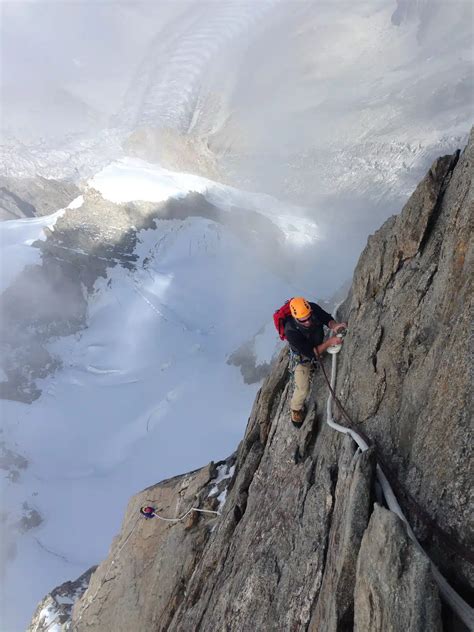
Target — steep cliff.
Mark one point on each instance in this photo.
(301, 543)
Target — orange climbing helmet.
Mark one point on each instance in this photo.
(300, 308)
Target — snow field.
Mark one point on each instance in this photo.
(16, 239)
(144, 393)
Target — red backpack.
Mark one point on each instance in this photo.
(279, 318)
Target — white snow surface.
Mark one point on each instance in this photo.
(134, 179)
(385, 97)
(161, 88)
(16, 239)
(49, 619)
(144, 393)
(131, 179)
(223, 472)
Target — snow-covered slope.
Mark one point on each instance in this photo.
(144, 392)
(16, 239)
(331, 104)
(134, 179)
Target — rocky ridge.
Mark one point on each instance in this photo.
(31, 197)
(301, 543)
(55, 609)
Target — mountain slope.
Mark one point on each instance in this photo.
(116, 330)
(293, 548)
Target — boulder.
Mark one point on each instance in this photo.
(394, 588)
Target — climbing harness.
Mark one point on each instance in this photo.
(296, 358)
(457, 603)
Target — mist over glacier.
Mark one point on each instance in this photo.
(337, 106)
(315, 120)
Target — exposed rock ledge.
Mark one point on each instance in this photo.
(301, 544)
(30, 197)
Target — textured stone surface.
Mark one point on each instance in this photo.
(334, 610)
(264, 565)
(394, 590)
(406, 373)
(143, 580)
(298, 536)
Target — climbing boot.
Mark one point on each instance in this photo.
(297, 417)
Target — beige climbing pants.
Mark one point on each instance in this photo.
(302, 377)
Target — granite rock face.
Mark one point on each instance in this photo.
(301, 543)
(144, 580)
(334, 609)
(394, 588)
(407, 374)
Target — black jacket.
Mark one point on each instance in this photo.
(302, 339)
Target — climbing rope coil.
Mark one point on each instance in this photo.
(457, 603)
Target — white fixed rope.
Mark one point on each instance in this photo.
(457, 603)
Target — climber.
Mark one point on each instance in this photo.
(303, 329)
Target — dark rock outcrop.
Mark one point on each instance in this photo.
(54, 612)
(246, 359)
(30, 197)
(50, 299)
(300, 544)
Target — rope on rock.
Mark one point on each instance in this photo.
(457, 603)
(459, 549)
(154, 514)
